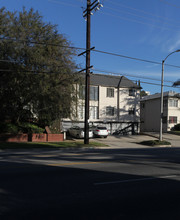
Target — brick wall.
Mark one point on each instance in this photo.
(31, 137)
(55, 137)
(38, 138)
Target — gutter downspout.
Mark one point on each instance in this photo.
(118, 99)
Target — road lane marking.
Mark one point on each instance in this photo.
(135, 180)
(50, 155)
(57, 155)
(73, 163)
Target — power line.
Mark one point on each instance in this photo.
(37, 64)
(130, 75)
(98, 51)
(141, 16)
(128, 57)
(140, 22)
(41, 43)
(168, 3)
(134, 58)
(105, 71)
(115, 74)
(156, 84)
(96, 70)
(63, 3)
(135, 81)
(34, 72)
(80, 1)
(142, 11)
(149, 83)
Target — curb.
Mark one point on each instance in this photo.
(164, 145)
(150, 135)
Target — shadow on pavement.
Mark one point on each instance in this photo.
(36, 191)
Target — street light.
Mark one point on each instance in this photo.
(177, 83)
(162, 81)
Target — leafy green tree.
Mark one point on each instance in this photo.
(37, 69)
(143, 93)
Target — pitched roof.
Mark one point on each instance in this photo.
(158, 95)
(112, 81)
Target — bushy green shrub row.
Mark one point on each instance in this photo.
(20, 128)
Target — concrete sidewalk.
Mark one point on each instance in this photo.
(132, 141)
(173, 138)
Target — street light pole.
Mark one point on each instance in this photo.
(161, 106)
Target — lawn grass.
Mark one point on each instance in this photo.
(48, 145)
(174, 132)
(155, 142)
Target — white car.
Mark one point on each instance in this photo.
(78, 132)
(101, 131)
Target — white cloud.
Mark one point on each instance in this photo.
(171, 43)
(175, 45)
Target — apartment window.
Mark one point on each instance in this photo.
(172, 120)
(94, 93)
(110, 111)
(142, 105)
(93, 112)
(164, 103)
(110, 92)
(132, 92)
(132, 111)
(82, 92)
(173, 103)
(81, 111)
(164, 120)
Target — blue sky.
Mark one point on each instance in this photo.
(147, 30)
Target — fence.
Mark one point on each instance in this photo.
(31, 137)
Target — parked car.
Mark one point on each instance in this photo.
(100, 131)
(78, 132)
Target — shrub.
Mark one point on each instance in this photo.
(30, 128)
(55, 126)
(176, 127)
(155, 142)
(20, 128)
(8, 128)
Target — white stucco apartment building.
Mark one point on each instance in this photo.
(114, 102)
(150, 111)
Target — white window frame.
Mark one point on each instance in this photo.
(174, 121)
(173, 103)
(81, 111)
(94, 94)
(132, 92)
(110, 92)
(93, 112)
(131, 111)
(109, 111)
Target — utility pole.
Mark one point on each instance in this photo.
(87, 13)
(87, 87)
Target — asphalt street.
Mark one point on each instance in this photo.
(90, 184)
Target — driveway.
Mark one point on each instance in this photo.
(132, 141)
